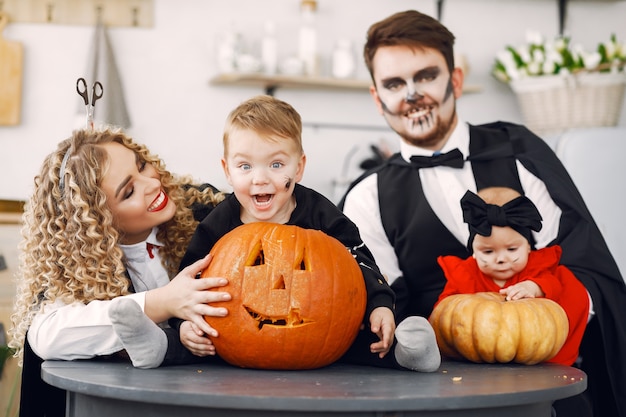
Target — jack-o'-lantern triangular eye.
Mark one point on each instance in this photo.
(301, 265)
(257, 256)
(297, 297)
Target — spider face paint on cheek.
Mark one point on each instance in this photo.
(288, 183)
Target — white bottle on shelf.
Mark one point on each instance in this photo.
(269, 49)
(228, 49)
(307, 38)
(343, 61)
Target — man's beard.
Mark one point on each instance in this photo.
(433, 138)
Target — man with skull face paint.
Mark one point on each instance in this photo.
(407, 209)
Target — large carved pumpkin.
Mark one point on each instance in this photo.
(483, 327)
(298, 297)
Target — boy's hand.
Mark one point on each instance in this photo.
(195, 340)
(382, 323)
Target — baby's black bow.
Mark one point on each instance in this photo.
(519, 214)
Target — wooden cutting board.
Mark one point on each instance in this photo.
(11, 56)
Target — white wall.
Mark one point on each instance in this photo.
(166, 71)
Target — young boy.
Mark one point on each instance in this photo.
(264, 162)
(503, 260)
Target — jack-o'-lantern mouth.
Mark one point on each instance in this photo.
(292, 319)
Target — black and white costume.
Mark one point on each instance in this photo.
(409, 216)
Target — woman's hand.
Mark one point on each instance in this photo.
(188, 298)
(196, 340)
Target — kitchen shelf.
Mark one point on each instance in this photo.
(271, 83)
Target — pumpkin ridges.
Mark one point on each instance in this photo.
(441, 321)
(546, 345)
(327, 341)
(525, 350)
(486, 334)
(523, 326)
(305, 346)
(461, 330)
(562, 325)
(508, 339)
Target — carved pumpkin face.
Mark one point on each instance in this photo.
(298, 297)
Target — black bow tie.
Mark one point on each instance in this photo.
(453, 159)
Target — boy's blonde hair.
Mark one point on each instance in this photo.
(268, 117)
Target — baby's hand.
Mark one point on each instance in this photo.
(382, 324)
(196, 340)
(524, 289)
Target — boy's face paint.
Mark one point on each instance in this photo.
(263, 173)
(415, 93)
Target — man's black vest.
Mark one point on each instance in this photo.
(414, 230)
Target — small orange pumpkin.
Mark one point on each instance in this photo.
(483, 327)
(298, 297)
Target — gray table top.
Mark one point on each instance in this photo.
(339, 387)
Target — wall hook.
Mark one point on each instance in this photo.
(49, 9)
(99, 12)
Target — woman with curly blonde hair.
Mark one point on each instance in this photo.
(106, 222)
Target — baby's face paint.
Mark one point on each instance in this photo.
(503, 254)
(288, 183)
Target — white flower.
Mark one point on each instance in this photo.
(591, 60)
(554, 56)
(538, 57)
(620, 50)
(560, 44)
(501, 75)
(548, 67)
(534, 68)
(506, 58)
(524, 53)
(578, 49)
(534, 37)
(610, 48)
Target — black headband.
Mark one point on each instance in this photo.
(520, 214)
